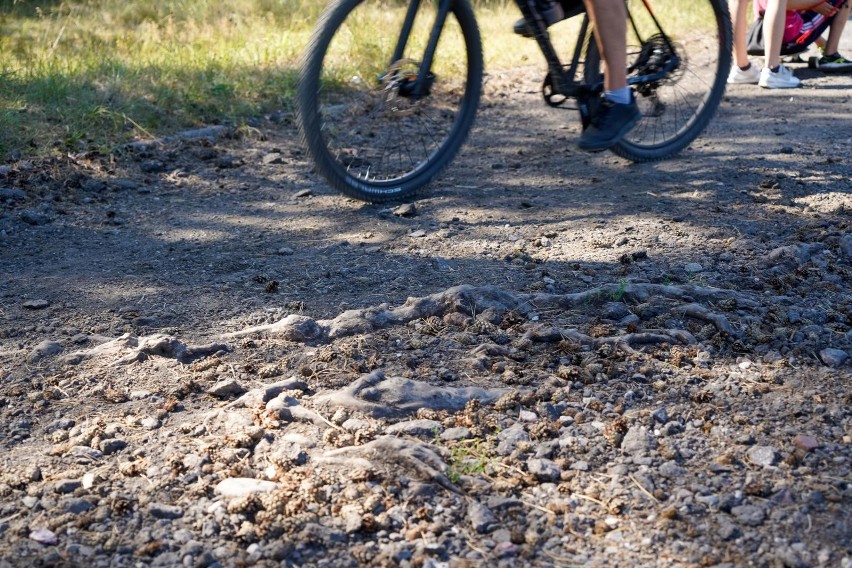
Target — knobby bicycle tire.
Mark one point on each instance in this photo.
(678, 108)
(368, 138)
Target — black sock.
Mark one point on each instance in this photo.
(775, 69)
(747, 67)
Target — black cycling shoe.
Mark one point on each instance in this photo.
(609, 125)
(551, 11)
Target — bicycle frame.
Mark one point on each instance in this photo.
(560, 83)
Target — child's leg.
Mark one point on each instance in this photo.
(738, 21)
(773, 31)
(836, 29)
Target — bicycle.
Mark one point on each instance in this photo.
(385, 99)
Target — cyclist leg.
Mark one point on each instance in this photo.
(617, 113)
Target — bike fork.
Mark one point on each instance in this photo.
(434, 36)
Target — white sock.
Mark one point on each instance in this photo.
(619, 96)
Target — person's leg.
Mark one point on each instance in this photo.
(832, 45)
(738, 22)
(610, 21)
(618, 113)
(774, 75)
(743, 70)
(773, 31)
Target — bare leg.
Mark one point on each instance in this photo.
(836, 29)
(773, 31)
(610, 19)
(738, 21)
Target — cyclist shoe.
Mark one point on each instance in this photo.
(551, 11)
(609, 125)
(781, 79)
(749, 76)
(834, 61)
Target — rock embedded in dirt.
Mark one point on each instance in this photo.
(544, 470)
(44, 349)
(405, 210)
(163, 511)
(693, 268)
(35, 304)
(637, 441)
(805, 443)
(763, 455)
(242, 486)
(750, 515)
(418, 428)
(32, 217)
(833, 357)
(481, 518)
(226, 388)
(12, 194)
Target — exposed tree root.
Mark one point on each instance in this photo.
(392, 454)
(472, 300)
(140, 348)
(382, 397)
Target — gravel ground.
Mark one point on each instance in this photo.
(207, 358)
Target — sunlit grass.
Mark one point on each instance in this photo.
(88, 74)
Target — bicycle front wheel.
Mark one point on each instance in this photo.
(679, 55)
(372, 132)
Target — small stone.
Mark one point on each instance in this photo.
(727, 529)
(661, 415)
(833, 357)
(786, 149)
(35, 304)
(527, 416)
(750, 515)
(460, 433)
(12, 194)
(846, 245)
(637, 441)
(150, 423)
(162, 511)
(242, 486)
(286, 251)
(226, 388)
(66, 485)
(418, 234)
(544, 469)
(111, 446)
(303, 193)
(44, 536)
(77, 506)
(356, 424)
(693, 268)
(580, 465)
(481, 518)
(272, 158)
(34, 217)
(763, 455)
(152, 166)
(511, 437)
(405, 210)
(44, 349)
(418, 428)
(671, 470)
(805, 443)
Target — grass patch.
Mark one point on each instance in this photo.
(90, 74)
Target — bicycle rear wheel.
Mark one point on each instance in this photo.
(690, 54)
(370, 137)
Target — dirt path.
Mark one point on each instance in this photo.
(660, 351)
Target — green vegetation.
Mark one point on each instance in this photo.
(88, 74)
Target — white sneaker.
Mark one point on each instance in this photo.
(748, 76)
(781, 79)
